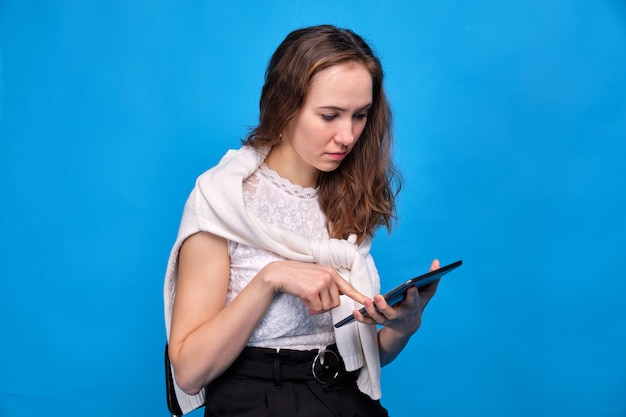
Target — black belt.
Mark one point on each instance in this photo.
(323, 365)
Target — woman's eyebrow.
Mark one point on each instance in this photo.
(337, 108)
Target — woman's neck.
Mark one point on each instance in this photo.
(288, 165)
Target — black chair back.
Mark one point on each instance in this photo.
(172, 401)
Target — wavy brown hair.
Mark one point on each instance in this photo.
(359, 195)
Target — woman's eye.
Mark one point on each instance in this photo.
(361, 115)
(328, 117)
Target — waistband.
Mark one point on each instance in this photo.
(324, 365)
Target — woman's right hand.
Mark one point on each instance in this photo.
(318, 286)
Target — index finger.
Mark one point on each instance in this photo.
(347, 289)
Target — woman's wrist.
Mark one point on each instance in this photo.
(395, 335)
(390, 344)
(269, 279)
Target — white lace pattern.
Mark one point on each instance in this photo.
(287, 324)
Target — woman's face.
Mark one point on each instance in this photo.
(327, 127)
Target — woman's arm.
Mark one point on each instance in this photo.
(206, 334)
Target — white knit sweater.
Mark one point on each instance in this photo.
(216, 205)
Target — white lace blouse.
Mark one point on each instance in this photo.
(288, 323)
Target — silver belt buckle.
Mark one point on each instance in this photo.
(325, 366)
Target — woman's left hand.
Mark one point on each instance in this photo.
(405, 317)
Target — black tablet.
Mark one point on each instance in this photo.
(397, 294)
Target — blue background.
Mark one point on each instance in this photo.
(510, 119)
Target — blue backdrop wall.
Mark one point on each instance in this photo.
(510, 120)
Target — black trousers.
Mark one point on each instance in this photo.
(267, 383)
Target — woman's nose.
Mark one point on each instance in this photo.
(346, 133)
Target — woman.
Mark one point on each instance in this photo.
(273, 247)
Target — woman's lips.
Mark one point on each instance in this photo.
(338, 156)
